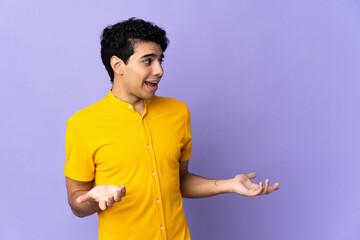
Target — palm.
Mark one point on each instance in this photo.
(104, 195)
(103, 192)
(243, 185)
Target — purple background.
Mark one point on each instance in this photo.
(273, 87)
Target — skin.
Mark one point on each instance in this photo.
(84, 199)
(129, 86)
(193, 186)
(143, 65)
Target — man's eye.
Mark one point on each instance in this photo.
(147, 61)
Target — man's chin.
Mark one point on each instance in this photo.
(149, 96)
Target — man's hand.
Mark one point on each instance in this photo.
(242, 185)
(104, 195)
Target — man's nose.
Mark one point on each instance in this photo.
(158, 70)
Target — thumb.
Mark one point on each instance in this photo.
(83, 198)
(251, 175)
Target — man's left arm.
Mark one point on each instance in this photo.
(193, 186)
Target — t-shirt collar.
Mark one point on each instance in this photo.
(124, 105)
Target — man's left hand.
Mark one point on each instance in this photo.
(242, 185)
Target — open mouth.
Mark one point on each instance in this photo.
(151, 83)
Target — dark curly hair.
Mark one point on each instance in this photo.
(119, 40)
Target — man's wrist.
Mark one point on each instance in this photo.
(224, 185)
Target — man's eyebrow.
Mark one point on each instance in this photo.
(152, 55)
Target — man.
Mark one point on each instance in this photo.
(135, 139)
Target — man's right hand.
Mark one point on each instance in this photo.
(104, 195)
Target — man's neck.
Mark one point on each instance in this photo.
(137, 103)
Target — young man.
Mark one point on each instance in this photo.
(135, 139)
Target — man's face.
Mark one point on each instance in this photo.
(143, 71)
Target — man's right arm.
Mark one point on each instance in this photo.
(75, 189)
(85, 200)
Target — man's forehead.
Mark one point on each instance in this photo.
(147, 47)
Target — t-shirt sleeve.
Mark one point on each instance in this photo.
(186, 149)
(79, 164)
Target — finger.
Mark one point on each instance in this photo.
(122, 191)
(259, 190)
(83, 198)
(266, 188)
(110, 201)
(251, 175)
(102, 205)
(117, 195)
(274, 187)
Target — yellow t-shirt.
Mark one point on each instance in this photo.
(111, 143)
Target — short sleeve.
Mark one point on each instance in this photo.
(186, 149)
(79, 164)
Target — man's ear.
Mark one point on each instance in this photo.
(117, 65)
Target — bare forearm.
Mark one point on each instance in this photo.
(193, 186)
(82, 209)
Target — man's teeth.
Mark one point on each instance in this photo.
(152, 82)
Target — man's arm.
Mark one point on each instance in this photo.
(85, 200)
(76, 189)
(193, 186)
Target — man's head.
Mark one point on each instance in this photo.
(120, 40)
